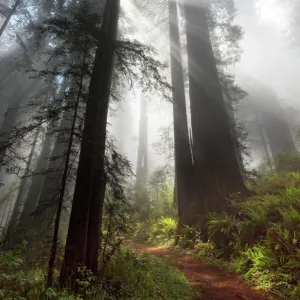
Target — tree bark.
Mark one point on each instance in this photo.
(102, 78)
(83, 239)
(183, 156)
(61, 196)
(217, 171)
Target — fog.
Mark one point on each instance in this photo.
(267, 71)
(267, 52)
(268, 56)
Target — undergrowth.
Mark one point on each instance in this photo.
(260, 239)
(159, 231)
(128, 275)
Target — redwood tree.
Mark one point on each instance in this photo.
(183, 157)
(83, 237)
(217, 173)
(141, 191)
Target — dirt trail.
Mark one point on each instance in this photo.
(211, 282)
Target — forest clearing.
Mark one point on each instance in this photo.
(149, 149)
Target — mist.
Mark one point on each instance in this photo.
(120, 117)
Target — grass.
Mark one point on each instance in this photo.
(149, 277)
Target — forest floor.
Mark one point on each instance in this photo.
(211, 283)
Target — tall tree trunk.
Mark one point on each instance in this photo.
(262, 134)
(272, 118)
(183, 156)
(83, 239)
(142, 160)
(233, 127)
(36, 186)
(141, 193)
(64, 179)
(217, 171)
(52, 181)
(10, 14)
(277, 128)
(11, 230)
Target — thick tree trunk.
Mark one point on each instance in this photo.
(183, 157)
(62, 190)
(217, 171)
(83, 239)
(233, 127)
(102, 78)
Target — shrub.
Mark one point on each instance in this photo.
(156, 231)
(163, 230)
(221, 230)
(262, 235)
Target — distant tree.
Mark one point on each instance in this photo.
(12, 227)
(161, 188)
(271, 117)
(141, 194)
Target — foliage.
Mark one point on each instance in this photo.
(260, 236)
(73, 37)
(222, 228)
(287, 162)
(161, 189)
(128, 276)
(147, 277)
(16, 283)
(208, 253)
(159, 231)
(157, 198)
(187, 237)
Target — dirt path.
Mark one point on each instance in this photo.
(211, 282)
